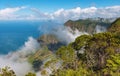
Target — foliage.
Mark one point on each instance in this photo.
(6, 72)
(50, 62)
(44, 72)
(81, 71)
(100, 47)
(81, 41)
(112, 66)
(30, 74)
(113, 63)
(67, 54)
(115, 26)
(99, 57)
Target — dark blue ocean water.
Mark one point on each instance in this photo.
(13, 34)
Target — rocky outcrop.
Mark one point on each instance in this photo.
(51, 41)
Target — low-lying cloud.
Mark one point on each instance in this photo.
(67, 35)
(17, 60)
(63, 33)
(100, 29)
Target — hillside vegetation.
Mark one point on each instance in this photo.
(88, 25)
(115, 26)
(89, 55)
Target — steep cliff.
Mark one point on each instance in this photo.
(51, 41)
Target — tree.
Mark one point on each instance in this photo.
(30, 74)
(79, 44)
(113, 63)
(6, 72)
(99, 48)
(67, 54)
(81, 41)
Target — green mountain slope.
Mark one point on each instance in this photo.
(115, 26)
(87, 25)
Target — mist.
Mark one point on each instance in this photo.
(100, 29)
(67, 35)
(64, 34)
(17, 60)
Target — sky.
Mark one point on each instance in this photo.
(57, 9)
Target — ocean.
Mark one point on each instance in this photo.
(13, 34)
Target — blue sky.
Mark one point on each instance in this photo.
(58, 9)
(52, 5)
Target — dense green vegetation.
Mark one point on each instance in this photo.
(89, 55)
(100, 56)
(94, 55)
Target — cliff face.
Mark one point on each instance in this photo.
(47, 39)
(87, 25)
(115, 26)
(51, 41)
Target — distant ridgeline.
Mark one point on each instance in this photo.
(88, 25)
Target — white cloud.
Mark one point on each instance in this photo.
(9, 13)
(61, 14)
(77, 13)
(10, 10)
(74, 14)
(67, 35)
